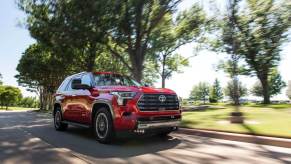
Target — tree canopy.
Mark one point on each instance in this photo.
(231, 92)
(9, 95)
(200, 92)
(260, 28)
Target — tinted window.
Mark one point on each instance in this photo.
(69, 86)
(86, 79)
(63, 85)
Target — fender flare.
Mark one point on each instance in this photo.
(104, 102)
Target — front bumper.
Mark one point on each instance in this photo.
(143, 125)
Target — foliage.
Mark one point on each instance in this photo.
(200, 92)
(215, 92)
(228, 42)
(171, 34)
(132, 34)
(9, 95)
(258, 31)
(230, 91)
(289, 89)
(28, 102)
(42, 72)
(276, 85)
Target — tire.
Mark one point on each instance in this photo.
(59, 126)
(103, 126)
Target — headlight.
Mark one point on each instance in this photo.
(121, 96)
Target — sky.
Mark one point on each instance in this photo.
(14, 39)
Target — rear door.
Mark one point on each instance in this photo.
(71, 112)
(83, 100)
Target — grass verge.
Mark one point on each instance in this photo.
(16, 108)
(273, 120)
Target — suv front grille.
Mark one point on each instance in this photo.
(152, 102)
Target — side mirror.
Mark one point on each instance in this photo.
(77, 84)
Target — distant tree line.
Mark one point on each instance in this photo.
(11, 96)
(204, 92)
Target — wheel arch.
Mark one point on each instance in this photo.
(98, 105)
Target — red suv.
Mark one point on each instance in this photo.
(110, 103)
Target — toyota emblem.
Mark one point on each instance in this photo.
(162, 98)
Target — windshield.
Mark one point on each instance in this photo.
(114, 80)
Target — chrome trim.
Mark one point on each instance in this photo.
(158, 124)
(175, 110)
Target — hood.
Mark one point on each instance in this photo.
(135, 89)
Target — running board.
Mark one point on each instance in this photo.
(76, 124)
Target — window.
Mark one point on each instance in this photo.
(86, 79)
(114, 80)
(63, 85)
(69, 86)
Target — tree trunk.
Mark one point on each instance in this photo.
(163, 71)
(41, 99)
(90, 61)
(137, 73)
(236, 91)
(137, 66)
(265, 86)
(163, 82)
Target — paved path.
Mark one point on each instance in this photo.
(29, 137)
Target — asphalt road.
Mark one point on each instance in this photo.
(29, 137)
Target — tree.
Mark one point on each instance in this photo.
(28, 102)
(230, 91)
(171, 64)
(200, 92)
(215, 92)
(68, 29)
(276, 85)
(41, 72)
(228, 42)
(289, 90)
(260, 30)
(9, 95)
(124, 28)
(171, 34)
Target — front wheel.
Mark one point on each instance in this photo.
(103, 126)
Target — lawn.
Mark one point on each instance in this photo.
(16, 108)
(272, 120)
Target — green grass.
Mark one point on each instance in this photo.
(272, 120)
(274, 106)
(16, 108)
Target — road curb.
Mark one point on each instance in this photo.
(273, 141)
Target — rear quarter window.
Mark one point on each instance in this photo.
(63, 85)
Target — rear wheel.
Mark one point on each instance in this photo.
(58, 121)
(103, 126)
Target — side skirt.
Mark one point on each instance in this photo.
(76, 124)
